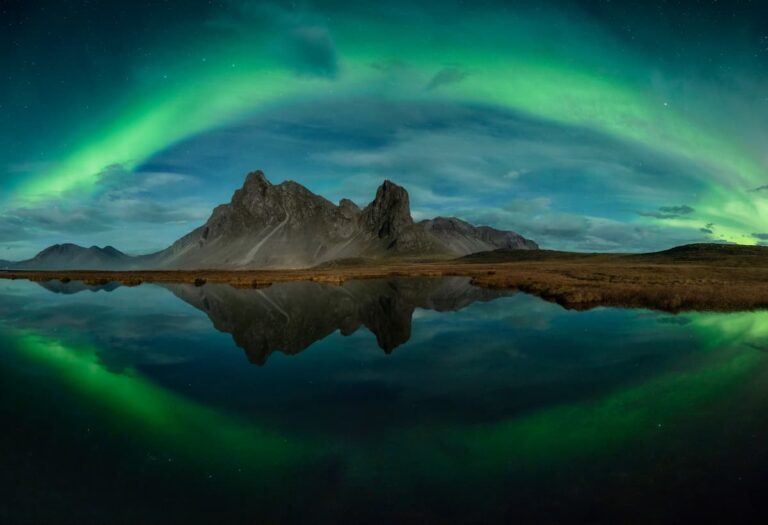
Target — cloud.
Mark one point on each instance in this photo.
(679, 210)
(11, 229)
(295, 34)
(764, 187)
(514, 174)
(761, 236)
(539, 220)
(91, 217)
(705, 230)
(668, 212)
(116, 182)
(486, 151)
(657, 215)
(123, 206)
(447, 75)
(311, 51)
(51, 216)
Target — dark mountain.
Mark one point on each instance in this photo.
(709, 254)
(74, 257)
(6, 265)
(289, 317)
(286, 225)
(463, 238)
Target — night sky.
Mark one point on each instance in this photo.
(584, 125)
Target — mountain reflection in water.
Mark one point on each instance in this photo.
(290, 317)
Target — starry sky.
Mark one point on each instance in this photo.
(585, 125)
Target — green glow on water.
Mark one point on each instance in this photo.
(652, 409)
(640, 412)
(134, 403)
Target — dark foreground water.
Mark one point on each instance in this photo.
(416, 401)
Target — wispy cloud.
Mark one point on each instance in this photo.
(130, 206)
(551, 228)
(668, 212)
(447, 75)
(678, 210)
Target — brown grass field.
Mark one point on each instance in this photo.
(693, 277)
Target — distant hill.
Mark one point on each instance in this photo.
(74, 257)
(716, 254)
(463, 238)
(734, 254)
(287, 226)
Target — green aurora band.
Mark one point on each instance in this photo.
(595, 84)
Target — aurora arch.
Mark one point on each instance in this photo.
(556, 65)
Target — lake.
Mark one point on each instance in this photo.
(401, 400)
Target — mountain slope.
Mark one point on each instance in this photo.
(462, 238)
(286, 225)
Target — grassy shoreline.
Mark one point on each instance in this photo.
(667, 281)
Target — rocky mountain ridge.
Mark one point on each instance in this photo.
(285, 225)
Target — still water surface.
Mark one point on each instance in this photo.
(408, 400)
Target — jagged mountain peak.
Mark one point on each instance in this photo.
(286, 225)
(256, 179)
(389, 214)
(346, 203)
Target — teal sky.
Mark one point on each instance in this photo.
(589, 125)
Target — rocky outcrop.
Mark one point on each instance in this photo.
(389, 215)
(286, 225)
(267, 225)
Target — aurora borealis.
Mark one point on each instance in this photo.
(591, 125)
